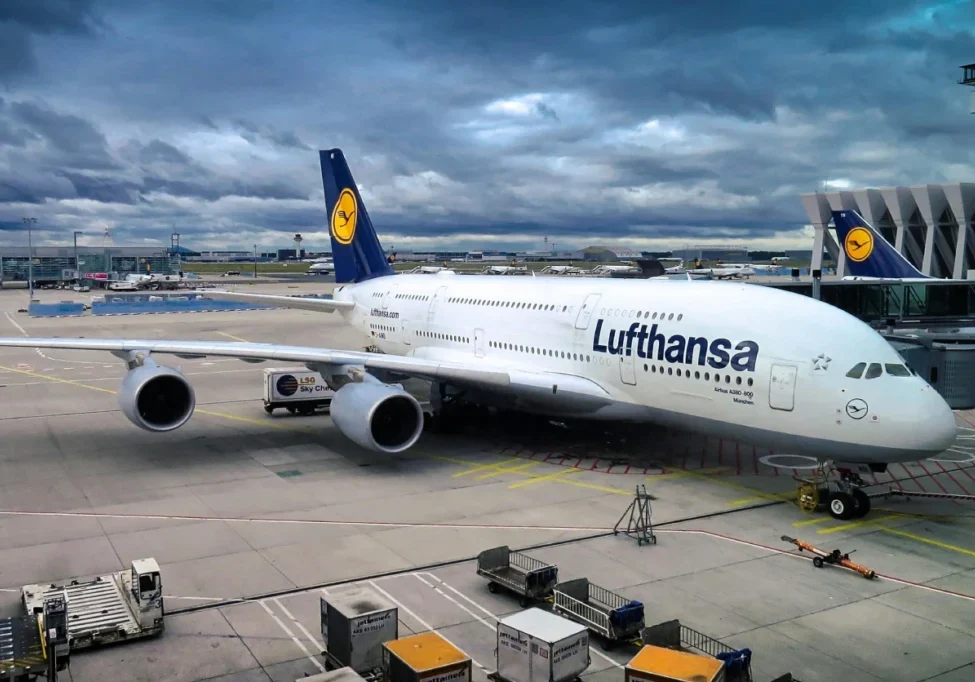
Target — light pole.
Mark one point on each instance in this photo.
(30, 257)
(174, 243)
(255, 261)
(77, 266)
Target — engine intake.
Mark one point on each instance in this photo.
(156, 398)
(377, 416)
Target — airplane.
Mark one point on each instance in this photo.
(321, 267)
(744, 362)
(725, 271)
(870, 257)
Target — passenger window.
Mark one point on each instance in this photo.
(857, 370)
(897, 370)
(873, 371)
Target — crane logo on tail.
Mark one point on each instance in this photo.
(858, 244)
(344, 217)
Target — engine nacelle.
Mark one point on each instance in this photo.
(156, 398)
(377, 416)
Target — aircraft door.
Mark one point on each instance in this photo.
(407, 331)
(627, 368)
(388, 295)
(585, 312)
(437, 297)
(479, 343)
(782, 387)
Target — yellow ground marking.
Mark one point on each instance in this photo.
(486, 467)
(855, 524)
(509, 470)
(231, 336)
(546, 477)
(810, 522)
(756, 495)
(222, 415)
(929, 541)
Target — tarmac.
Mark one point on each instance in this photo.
(253, 517)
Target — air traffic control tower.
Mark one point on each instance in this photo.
(968, 78)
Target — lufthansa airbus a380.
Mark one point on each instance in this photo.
(740, 361)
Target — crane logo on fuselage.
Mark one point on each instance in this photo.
(676, 348)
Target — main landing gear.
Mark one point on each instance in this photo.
(838, 490)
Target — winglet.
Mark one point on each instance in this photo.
(868, 254)
(356, 250)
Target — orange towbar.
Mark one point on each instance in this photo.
(834, 557)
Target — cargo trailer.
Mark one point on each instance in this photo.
(356, 622)
(339, 675)
(538, 646)
(529, 578)
(426, 657)
(607, 613)
(117, 607)
(658, 664)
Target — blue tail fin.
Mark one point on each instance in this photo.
(356, 250)
(868, 254)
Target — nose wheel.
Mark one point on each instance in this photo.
(842, 497)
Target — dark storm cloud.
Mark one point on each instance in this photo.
(588, 121)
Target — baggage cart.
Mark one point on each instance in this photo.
(673, 635)
(611, 615)
(426, 657)
(538, 646)
(529, 578)
(659, 664)
(339, 675)
(356, 622)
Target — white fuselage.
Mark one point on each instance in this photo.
(737, 360)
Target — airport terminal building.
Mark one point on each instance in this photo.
(931, 225)
(56, 264)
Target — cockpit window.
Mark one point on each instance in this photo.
(873, 371)
(857, 370)
(897, 370)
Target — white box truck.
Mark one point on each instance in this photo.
(298, 390)
(538, 646)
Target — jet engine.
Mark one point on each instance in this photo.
(156, 398)
(377, 416)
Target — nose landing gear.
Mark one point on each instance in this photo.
(840, 491)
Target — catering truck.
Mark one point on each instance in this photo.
(298, 390)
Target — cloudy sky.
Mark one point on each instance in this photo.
(478, 125)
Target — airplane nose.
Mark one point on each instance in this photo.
(938, 428)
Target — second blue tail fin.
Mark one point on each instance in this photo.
(356, 250)
(868, 254)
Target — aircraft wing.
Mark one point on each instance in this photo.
(549, 387)
(320, 305)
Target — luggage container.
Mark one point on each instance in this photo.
(296, 389)
(537, 646)
(356, 622)
(611, 615)
(529, 578)
(657, 664)
(426, 657)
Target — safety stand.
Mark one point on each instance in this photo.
(639, 526)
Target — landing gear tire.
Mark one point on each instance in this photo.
(861, 503)
(841, 506)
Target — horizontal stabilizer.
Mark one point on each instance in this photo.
(320, 305)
